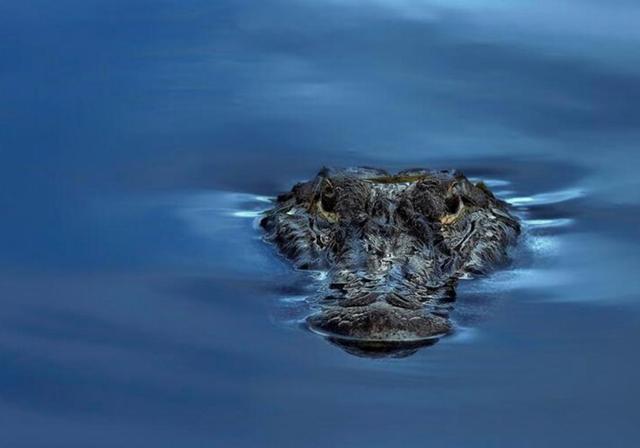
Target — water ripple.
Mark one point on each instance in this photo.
(553, 197)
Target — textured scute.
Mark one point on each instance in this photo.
(353, 197)
(393, 246)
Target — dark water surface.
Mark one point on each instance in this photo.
(139, 140)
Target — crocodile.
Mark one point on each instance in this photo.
(391, 248)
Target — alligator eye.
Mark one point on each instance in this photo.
(328, 198)
(453, 204)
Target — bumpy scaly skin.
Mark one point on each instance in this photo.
(393, 246)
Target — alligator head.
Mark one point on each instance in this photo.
(393, 247)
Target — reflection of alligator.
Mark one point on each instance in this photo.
(393, 246)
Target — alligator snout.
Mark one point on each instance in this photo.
(383, 310)
(378, 322)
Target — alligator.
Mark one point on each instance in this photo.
(391, 247)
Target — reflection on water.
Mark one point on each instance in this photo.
(386, 350)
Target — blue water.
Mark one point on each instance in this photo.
(139, 140)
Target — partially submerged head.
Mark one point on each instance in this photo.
(393, 246)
